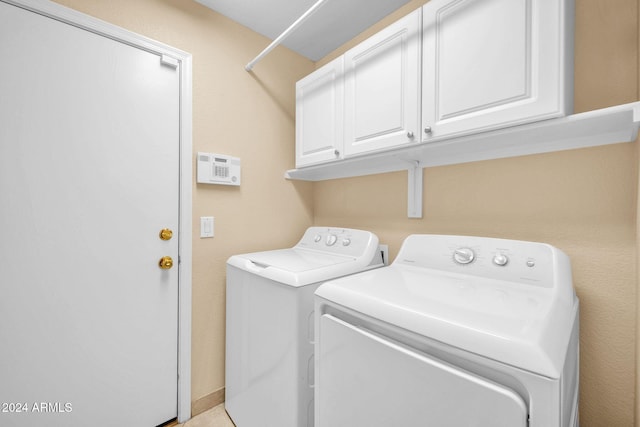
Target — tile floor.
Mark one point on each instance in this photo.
(214, 417)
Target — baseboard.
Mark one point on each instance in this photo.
(207, 402)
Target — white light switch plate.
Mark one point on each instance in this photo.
(206, 226)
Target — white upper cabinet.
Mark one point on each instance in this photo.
(382, 89)
(320, 115)
(495, 63)
(448, 72)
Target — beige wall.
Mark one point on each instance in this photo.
(248, 115)
(582, 201)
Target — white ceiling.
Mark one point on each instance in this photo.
(333, 24)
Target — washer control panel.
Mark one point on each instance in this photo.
(331, 239)
(343, 241)
(512, 260)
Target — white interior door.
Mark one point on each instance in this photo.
(89, 175)
(363, 380)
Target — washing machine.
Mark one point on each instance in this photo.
(270, 323)
(458, 331)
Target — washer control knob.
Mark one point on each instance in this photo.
(500, 260)
(317, 238)
(464, 255)
(346, 242)
(331, 240)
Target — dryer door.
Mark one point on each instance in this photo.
(363, 380)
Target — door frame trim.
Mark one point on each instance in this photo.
(105, 29)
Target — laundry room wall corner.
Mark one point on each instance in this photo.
(637, 235)
(581, 201)
(245, 115)
(637, 273)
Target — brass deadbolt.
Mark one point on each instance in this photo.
(166, 262)
(166, 234)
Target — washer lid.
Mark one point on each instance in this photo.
(517, 324)
(297, 267)
(296, 260)
(322, 253)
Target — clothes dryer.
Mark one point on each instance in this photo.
(270, 330)
(458, 331)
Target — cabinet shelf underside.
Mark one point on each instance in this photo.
(599, 127)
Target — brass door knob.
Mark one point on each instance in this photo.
(166, 234)
(166, 262)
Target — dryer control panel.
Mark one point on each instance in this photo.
(510, 260)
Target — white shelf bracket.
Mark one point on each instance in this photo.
(414, 199)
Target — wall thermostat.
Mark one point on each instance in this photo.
(218, 169)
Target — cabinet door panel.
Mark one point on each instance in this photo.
(493, 63)
(319, 115)
(378, 90)
(468, 63)
(382, 88)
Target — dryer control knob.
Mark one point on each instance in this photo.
(500, 260)
(346, 242)
(331, 239)
(317, 238)
(464, 255)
